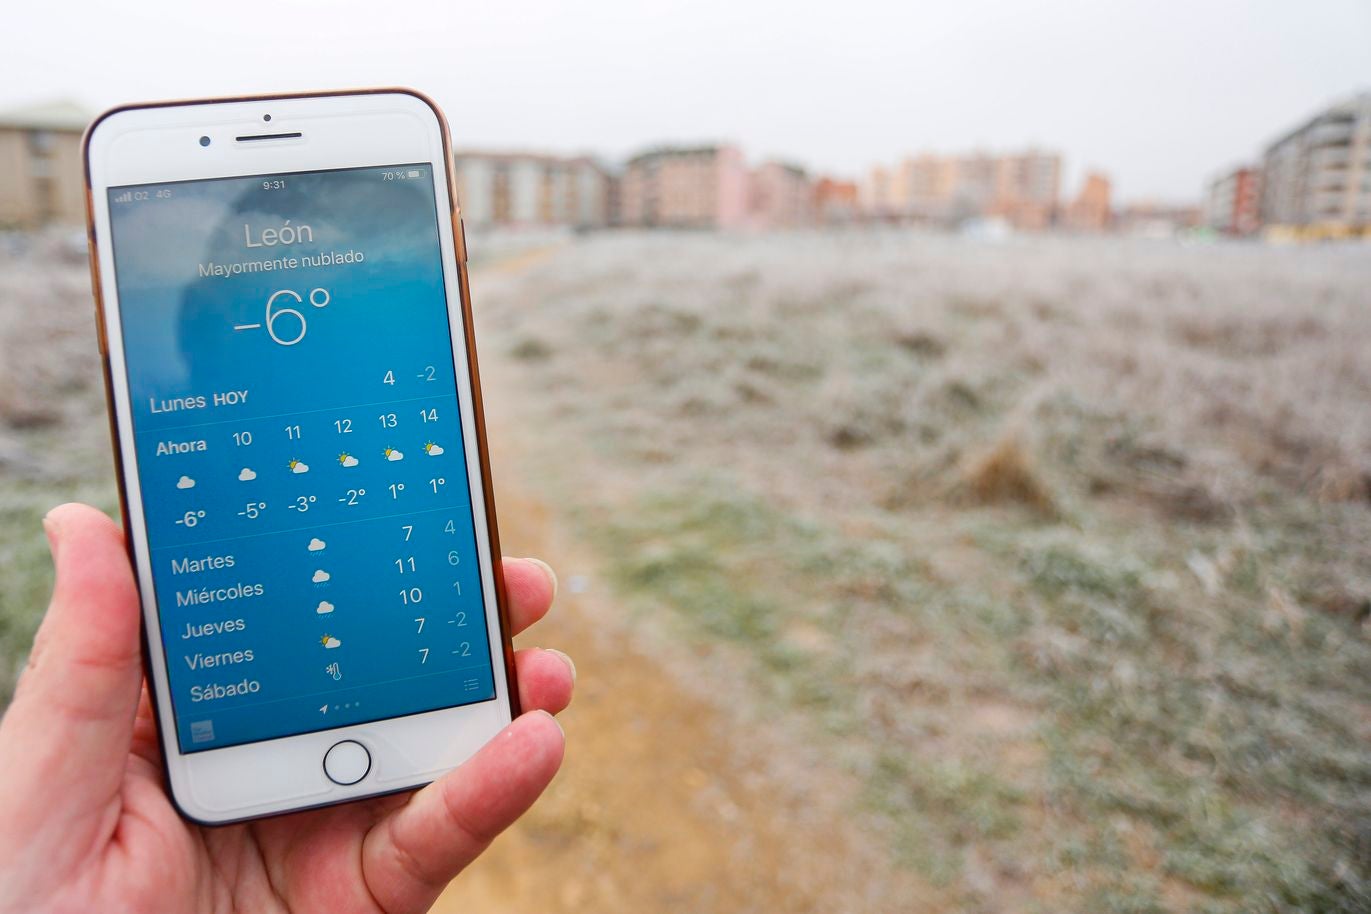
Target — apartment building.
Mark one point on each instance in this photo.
(1028, 189)
(782, 196)
(875, 193)
(925, 186)
(1232, 202)
(1023, 188)
(1091, 211)
(40, 166)
(835, 200)
(1317, 177)
(686, 187)
(517, 189)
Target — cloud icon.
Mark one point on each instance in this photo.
(393, 455)
(320, 576)
(330, 642)
(185, 482)
(347, 460)
(298, 466)
(246, 475)
(324, 608)
(433, 450)
(316, 544)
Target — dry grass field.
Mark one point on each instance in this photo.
(1045, 566)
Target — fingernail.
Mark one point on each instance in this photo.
(553, 719)
(570, 664)
(547, 570)
(53, 532)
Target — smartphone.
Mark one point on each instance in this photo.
(283, 313)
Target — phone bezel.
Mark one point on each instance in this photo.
(159, 142)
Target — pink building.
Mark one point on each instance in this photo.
(686, 187)
(782, 196)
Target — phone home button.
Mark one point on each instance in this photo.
(347, 762)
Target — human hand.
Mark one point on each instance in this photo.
(85, 823)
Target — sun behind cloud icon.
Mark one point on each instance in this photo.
(185, 482)
(298, 466)
(246, 475)
(330, 642)
(320, 576)
(392, 454)
(433, 450)
(347, 459)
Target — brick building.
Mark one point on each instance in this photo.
(1091, 210)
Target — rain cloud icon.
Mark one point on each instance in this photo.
(246, 475)
(320, 576)
(330, 642)
(185, 482)
(324, 608)
(316, 544)
(298, 466)
(433, 450)
(393, 455)
(347, 459)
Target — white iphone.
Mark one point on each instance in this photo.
(282, 307)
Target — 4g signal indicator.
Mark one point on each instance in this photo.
(137, 196)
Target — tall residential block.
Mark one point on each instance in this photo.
(1317, 177)
(1023, 188)
(782, 196)
(1232, 203)
(686, 187)
(836, 200)
(40, 166)
(519, 189)
(1091, 210)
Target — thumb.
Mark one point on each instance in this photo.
(67, 733)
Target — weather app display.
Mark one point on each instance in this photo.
(299, 450)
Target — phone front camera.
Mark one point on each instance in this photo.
(204, 141)
(266, 117)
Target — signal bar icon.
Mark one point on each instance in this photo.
(125, 197)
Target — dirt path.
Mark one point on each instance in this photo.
(666, 803)
(658, 807)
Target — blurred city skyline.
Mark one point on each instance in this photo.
(1160, 101)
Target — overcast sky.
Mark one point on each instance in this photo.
(1160, 94)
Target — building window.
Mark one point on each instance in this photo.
(40, 142)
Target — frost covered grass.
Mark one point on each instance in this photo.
(1060, 549)
(54, 439)
(1060, 546)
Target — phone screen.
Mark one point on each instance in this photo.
(299, 448)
